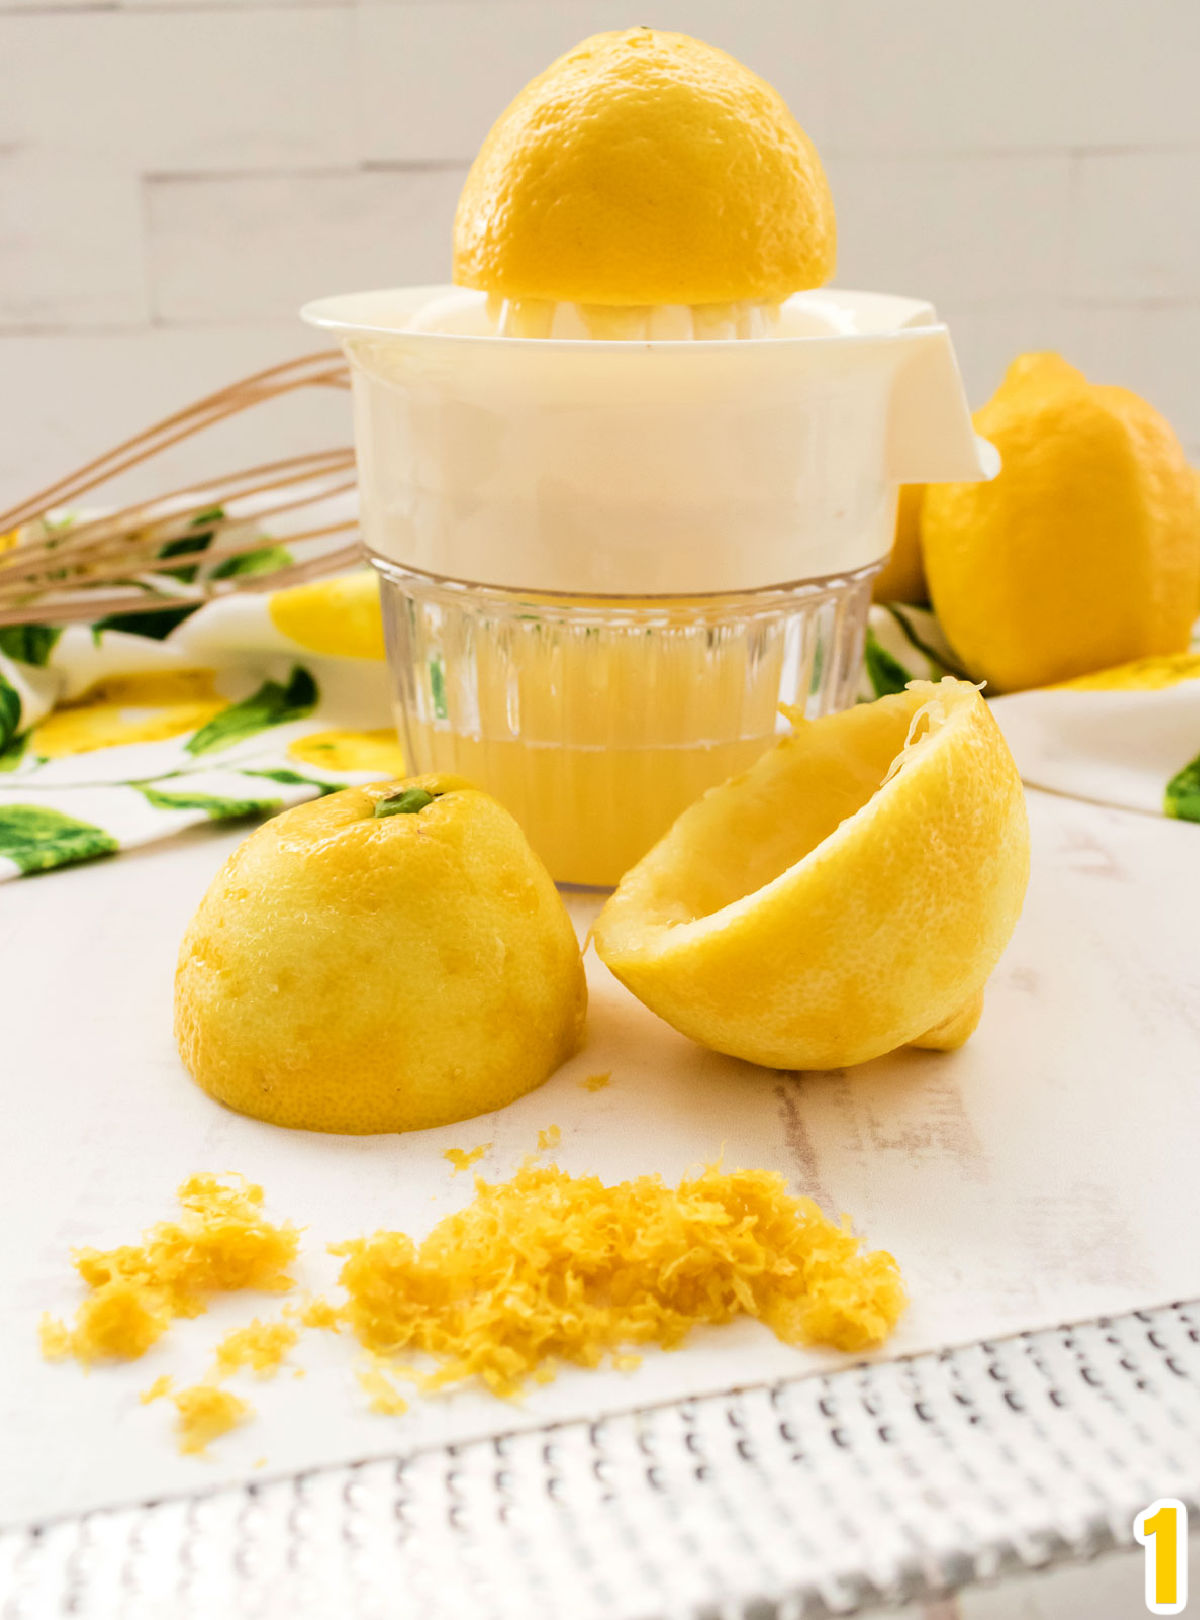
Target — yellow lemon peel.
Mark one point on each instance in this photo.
(262, 1346)
(642, 168)
(847, 895)
(461, 1159)
(222, 1242)
(319, 1313)
(357, 969)
(205, 1413)
(1083, 553)
(549, 1267)
(385, 1398)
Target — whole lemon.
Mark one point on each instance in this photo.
(848, 894)
(645, 168)
(384, 959)
(902, 577)
(1084, 552)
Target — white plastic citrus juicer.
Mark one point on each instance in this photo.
(606, 563)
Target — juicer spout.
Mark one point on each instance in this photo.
(930, 439)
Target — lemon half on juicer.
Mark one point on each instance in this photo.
(848, 894)
(644, 172)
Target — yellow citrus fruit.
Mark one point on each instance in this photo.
(645, 168)
(1084, 552)
(902, 578)
(384, 959)
(848, 894)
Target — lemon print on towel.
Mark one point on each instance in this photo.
(149, 707)
(1142, 675)
(350, 751)
(36, 838)
(1181, 799)
(337, 618)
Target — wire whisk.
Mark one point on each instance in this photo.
(191, 544)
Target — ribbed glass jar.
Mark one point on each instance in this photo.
(596, 720)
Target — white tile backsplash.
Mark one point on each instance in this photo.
(1136, 228)
(72, 396)
(71, 244)
(1029, 74)
(968, 230)
(176, 176)
(297, 237)
(434, 76)
(181, 90)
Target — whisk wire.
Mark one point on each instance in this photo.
(169, 549)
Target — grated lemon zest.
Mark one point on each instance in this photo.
(463, 1159)
(385, 1398)
(551, 1267)
(222, 1242)
(205, 1412)
(262, 1346)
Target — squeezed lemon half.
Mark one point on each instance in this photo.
(848, 894)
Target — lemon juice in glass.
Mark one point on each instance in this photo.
(627, 484)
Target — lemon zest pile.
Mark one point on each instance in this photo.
(205, 1412)
(539, 1270)
(221, 1243)
(550, 1267)
(462, 1159)
(262, 1346)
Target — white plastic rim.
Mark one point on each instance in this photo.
(646, 468)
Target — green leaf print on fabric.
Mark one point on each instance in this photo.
(1182, 798)
(36, 838)
(157, 623)
(13, 752)
(940, 659)
(885, 673)
(294, 779)
(271, 705)
(29, 643)
(267, 561)
(10, 712)
(215, 807)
